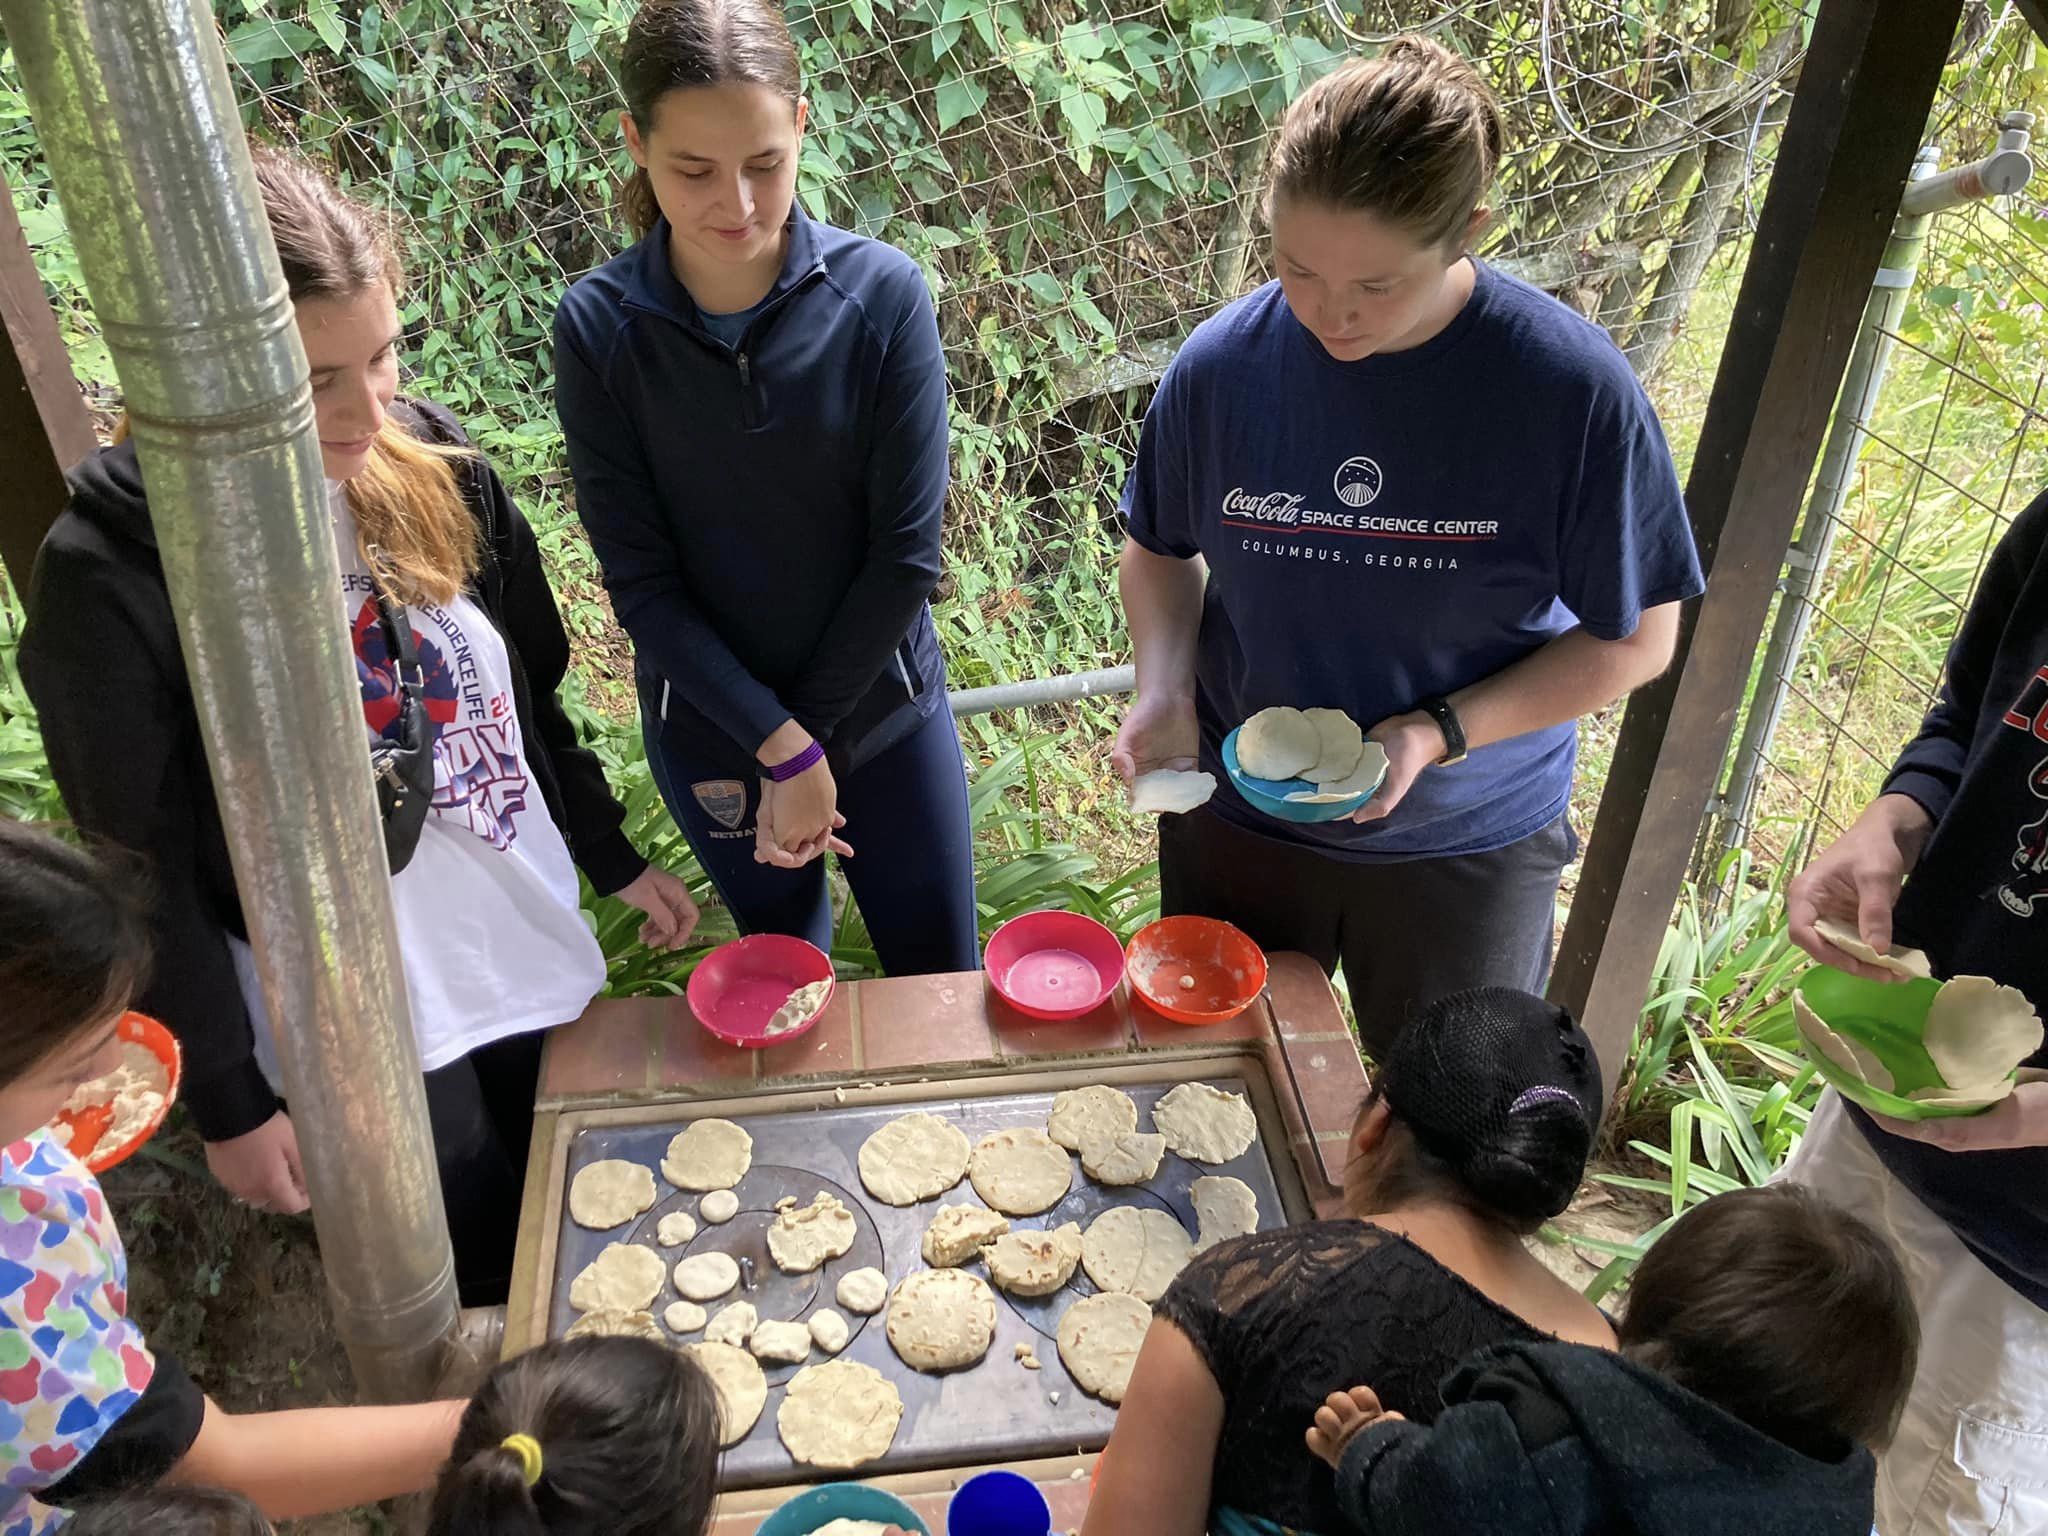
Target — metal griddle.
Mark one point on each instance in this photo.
(991, 1412)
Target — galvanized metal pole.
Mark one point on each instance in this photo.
(134, 110)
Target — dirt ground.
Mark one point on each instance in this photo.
(239, 1297)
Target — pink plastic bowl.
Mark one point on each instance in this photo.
(737, 988)
(1053, 965)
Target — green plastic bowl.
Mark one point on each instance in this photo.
(1889, 1018)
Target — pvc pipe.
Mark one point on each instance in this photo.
(133, 106)
(2000, 174)
(1042, 690)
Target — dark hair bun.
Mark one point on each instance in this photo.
(1531, 1170)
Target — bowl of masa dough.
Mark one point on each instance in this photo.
(843, 1509)
(1303, 765)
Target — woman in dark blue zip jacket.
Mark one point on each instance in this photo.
(755, 409)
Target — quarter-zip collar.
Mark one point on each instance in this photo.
(655, 287)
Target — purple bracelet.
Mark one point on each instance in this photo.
(803, 762)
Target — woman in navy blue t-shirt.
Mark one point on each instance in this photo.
(1399, 483)
(755, 409)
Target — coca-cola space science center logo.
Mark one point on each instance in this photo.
(1295, 528)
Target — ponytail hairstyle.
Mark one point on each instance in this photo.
(598, 1436)
(74, 946)
(412, 527)
(674, 45)
(1412, 136)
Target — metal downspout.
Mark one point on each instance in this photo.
(134, 110)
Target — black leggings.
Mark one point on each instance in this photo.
(481, 1109)
(1406, 933)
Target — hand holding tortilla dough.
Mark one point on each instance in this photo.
(1906, 964)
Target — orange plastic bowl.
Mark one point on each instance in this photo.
(1195, 970)
(89, 1125)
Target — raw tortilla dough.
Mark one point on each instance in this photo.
(1339, 743)
(675, 1229)
(913, 1158)
(624, 1278)
(1099, 1341)
(941, 1319)
(609, 1192)
(862, 1290)
(706, 1276)
(1078, 1111)
(683, 1317)
(1949, 1098)
(784, 1343)
(1034, 1263)
(1135, 1250)
(1362, 780)
(839, 1414)
(1851, 1055)
(957, 1233)
(1021, 1171)
(612, 1320)
(1277, 744)
(1205, 1124)
(1170, 792)
(733, 1325)
(134, 1091)
(1224, 1208)
(1906, 964)
(845, 1527)
(804, 1238)
(1977, 1032)
(829, 1331)
(1129, 1157)
(719, 1207)
(797, 1010)
(708, 1154)
(742, 1389)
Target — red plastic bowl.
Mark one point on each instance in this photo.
(89, 1125)
(737, 988)
(1228, 970)
(1053, 965)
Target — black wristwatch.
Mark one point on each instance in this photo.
(1447, 721)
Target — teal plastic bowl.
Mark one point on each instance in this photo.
(841, 1501)
(1270, 795)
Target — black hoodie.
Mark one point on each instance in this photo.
(1564, 1440)
(102, 663)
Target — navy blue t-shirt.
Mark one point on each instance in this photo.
(1382, 531)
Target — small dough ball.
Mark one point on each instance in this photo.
(839, 1415)
(829, 1331)
(1099, 1341)
(734, 1325)
(675, 1229)
(708, 1154)
(1096, 1109)
(957, 1233)
(941, 1319)
(1206, 1124)
(783, 1343)
(706, 1276)
(1131, 1157)
(683, 1317)
(1187, 983)
(742, 1389)
(1020, 1171)
(624, 1277)
(1339, 743)
(614, 1321)
(609, 1192)
(1034, 1263)
(913, 1158)
(719, 1207)
(807, 1237)
(863, 1291)
(1277, 744)
(1135, 1250)
(1224, 1208)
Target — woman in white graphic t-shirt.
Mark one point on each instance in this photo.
(494, 945)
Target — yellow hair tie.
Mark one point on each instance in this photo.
(527, 1449)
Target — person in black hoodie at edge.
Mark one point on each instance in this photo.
(1769, 1339)
(494, 946)
(755, 409)
(1952, 858)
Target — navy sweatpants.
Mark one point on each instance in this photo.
(912, 873)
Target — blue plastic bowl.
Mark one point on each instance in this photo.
(1270, 795)
(840, 1501)
(998, 1504)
